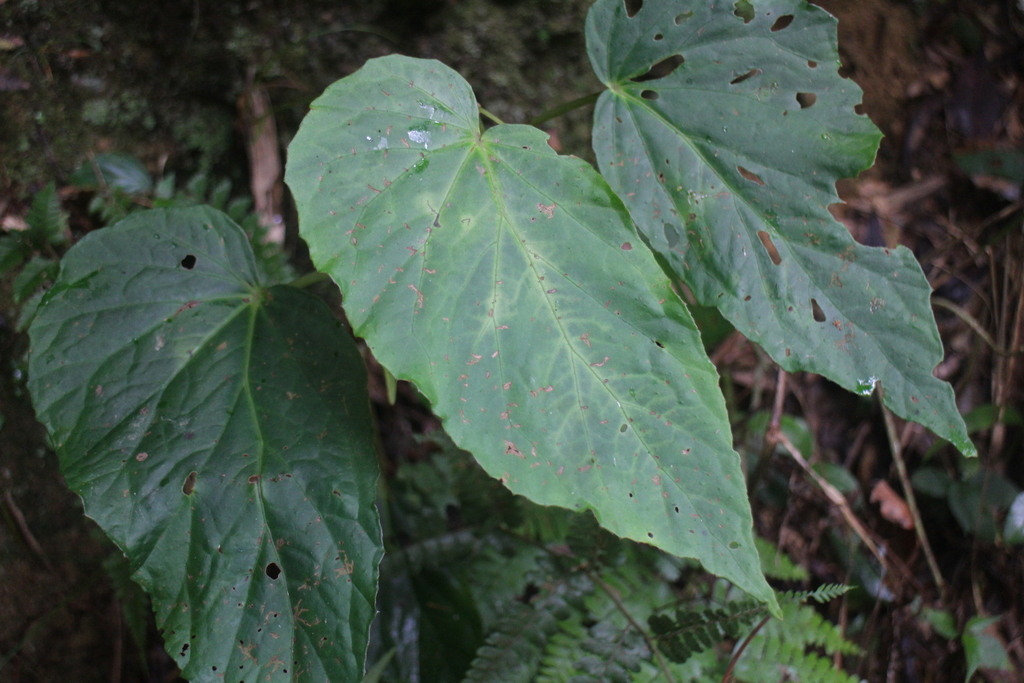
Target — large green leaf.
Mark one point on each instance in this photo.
(509, 284)
(219, 432)
(728, 164)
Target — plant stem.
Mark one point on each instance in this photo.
(488, 115)
(908, 492)
(565, 108)
(614, 596)
(974, 325)
(727, 677)
(834, 496)
(309, 279)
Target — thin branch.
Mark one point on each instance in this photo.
(976, 326)
(652, 646)
(908, 491)
(727, 677)
(834, 496)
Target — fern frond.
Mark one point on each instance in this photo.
(827, 592)
(694, 631)
(562, 652)
(513, 650)
(47, 223)
(780, 650)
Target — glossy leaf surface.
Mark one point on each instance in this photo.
(724, 129)
(509, 284)
(219, 432)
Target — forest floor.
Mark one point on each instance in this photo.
(944, 81)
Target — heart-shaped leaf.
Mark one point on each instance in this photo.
(509, 284)
(724, 129)
(219, 432)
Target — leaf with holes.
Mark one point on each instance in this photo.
(219, 432)
(509, 284)
(724, 129)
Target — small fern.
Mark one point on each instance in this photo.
(694, 631)
(513, 650)
(781, 649)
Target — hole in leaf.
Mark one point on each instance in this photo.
(683, 16)
(184, 649)
(806, 99)
(659, 344)
(649, 95)
(858, 109)
(661, 69)
(782, 22)
(633, 6)
(819, 315)
(189, 262)
(750, 175)
(744, 10)
(743, 77)
(273, 571)
(812, 64)
(659, 36)
(190, 483)
(769, 246)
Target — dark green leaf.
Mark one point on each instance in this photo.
(724, 132)
(114, 171)
(219, 432)
(509, 284)
(13, 252)
(1013, 528)
(35, 273)
(982, 647)
(47, 223)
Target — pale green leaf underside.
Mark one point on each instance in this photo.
(508, 283)
(219, 432)
(736, 152)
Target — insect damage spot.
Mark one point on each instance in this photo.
(769, 246)
(649, 95)
(189, 262)
(743, 77)
(680, 18)
(750, 175)
(744, 10)
(782, 22)
(190, 483)
(661, 69)
(273, 571)
(806, 99)
(819, 315)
